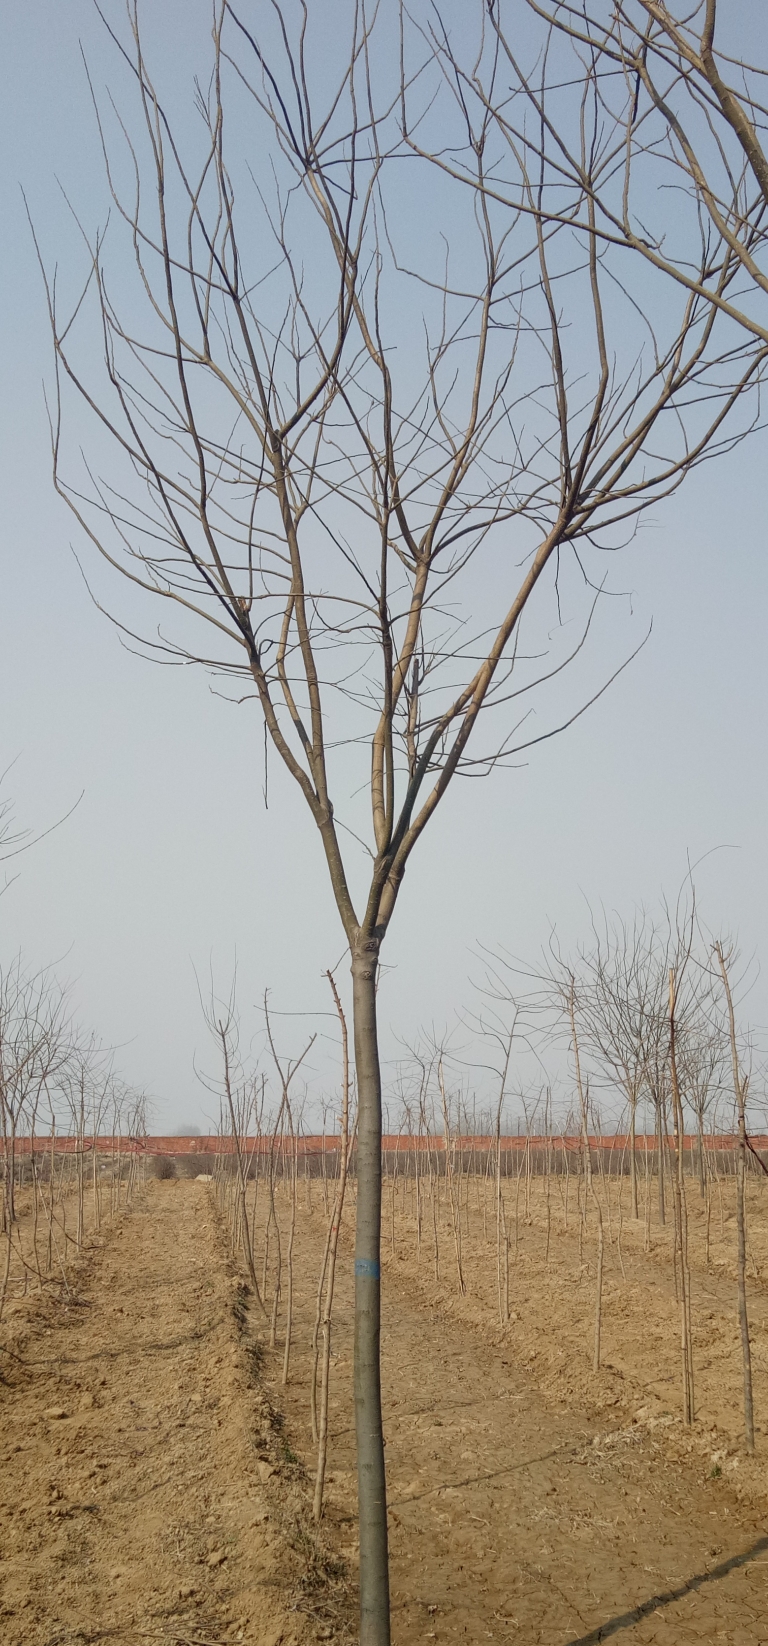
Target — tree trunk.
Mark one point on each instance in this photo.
(681, 1214)
(740, 1089)
(371, 1482)
(660, 1160)
(329, 1264)
(589, 1185)
(746, 1353)
(633, 1155)
(9, 1181)
(598, 1294)
(291, 1238)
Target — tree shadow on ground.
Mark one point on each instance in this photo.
(625, 1620)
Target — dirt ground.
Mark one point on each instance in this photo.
(156, 1475)
(134, 1441)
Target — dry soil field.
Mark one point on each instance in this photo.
(157, 1477)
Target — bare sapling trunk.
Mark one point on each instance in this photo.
(605, 1179)
(9, 1162)
(324, 1167)
(268, 1225)
(255, 1160)
(7, 1265)
(598, 1295)
(330, 1266)
(289, 1254)
(659, 1104)
(633, 1155)
(702, 1164)
(79, 1118)
(278, 1286)
(528, 1171)
(95, 1169)
(502, 1237)
(393, 1195)
(417, 1171)
(718, 1180)
(517, 1199)
(273, 1222)
(117, 1161)
(708, 1224)
(589, 1186)
(740, 1092)
(505, 1239)
(51, 1190)
(449, 1177)
(547, 1176)
(285, 1074)
(331, 1239)
(489, 1162)
(36, 1196)
(621, 1225)
(80, 1193)
(242, 1180)
(681, 1216)
(316, 1334)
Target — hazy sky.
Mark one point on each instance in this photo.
(171, 862)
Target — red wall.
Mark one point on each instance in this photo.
(394, 1144)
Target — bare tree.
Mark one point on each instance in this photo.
(569, 1001)
(51, 1073)
(498, 1024)
(656, 1065)
(676, 974)
(701, 1053)
(286, 1073)
(351, 463)
(236, 1089)
(325, 1291)
(559, 999)
(35, 1043)
(618, 990)
(76, 1091)
(449, 1150)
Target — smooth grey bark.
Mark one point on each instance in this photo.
(371, 1478)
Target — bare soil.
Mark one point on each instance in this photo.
(134, 1441)
(156, 1476)
(530, 1499)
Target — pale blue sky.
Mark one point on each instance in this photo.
(171, 861)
